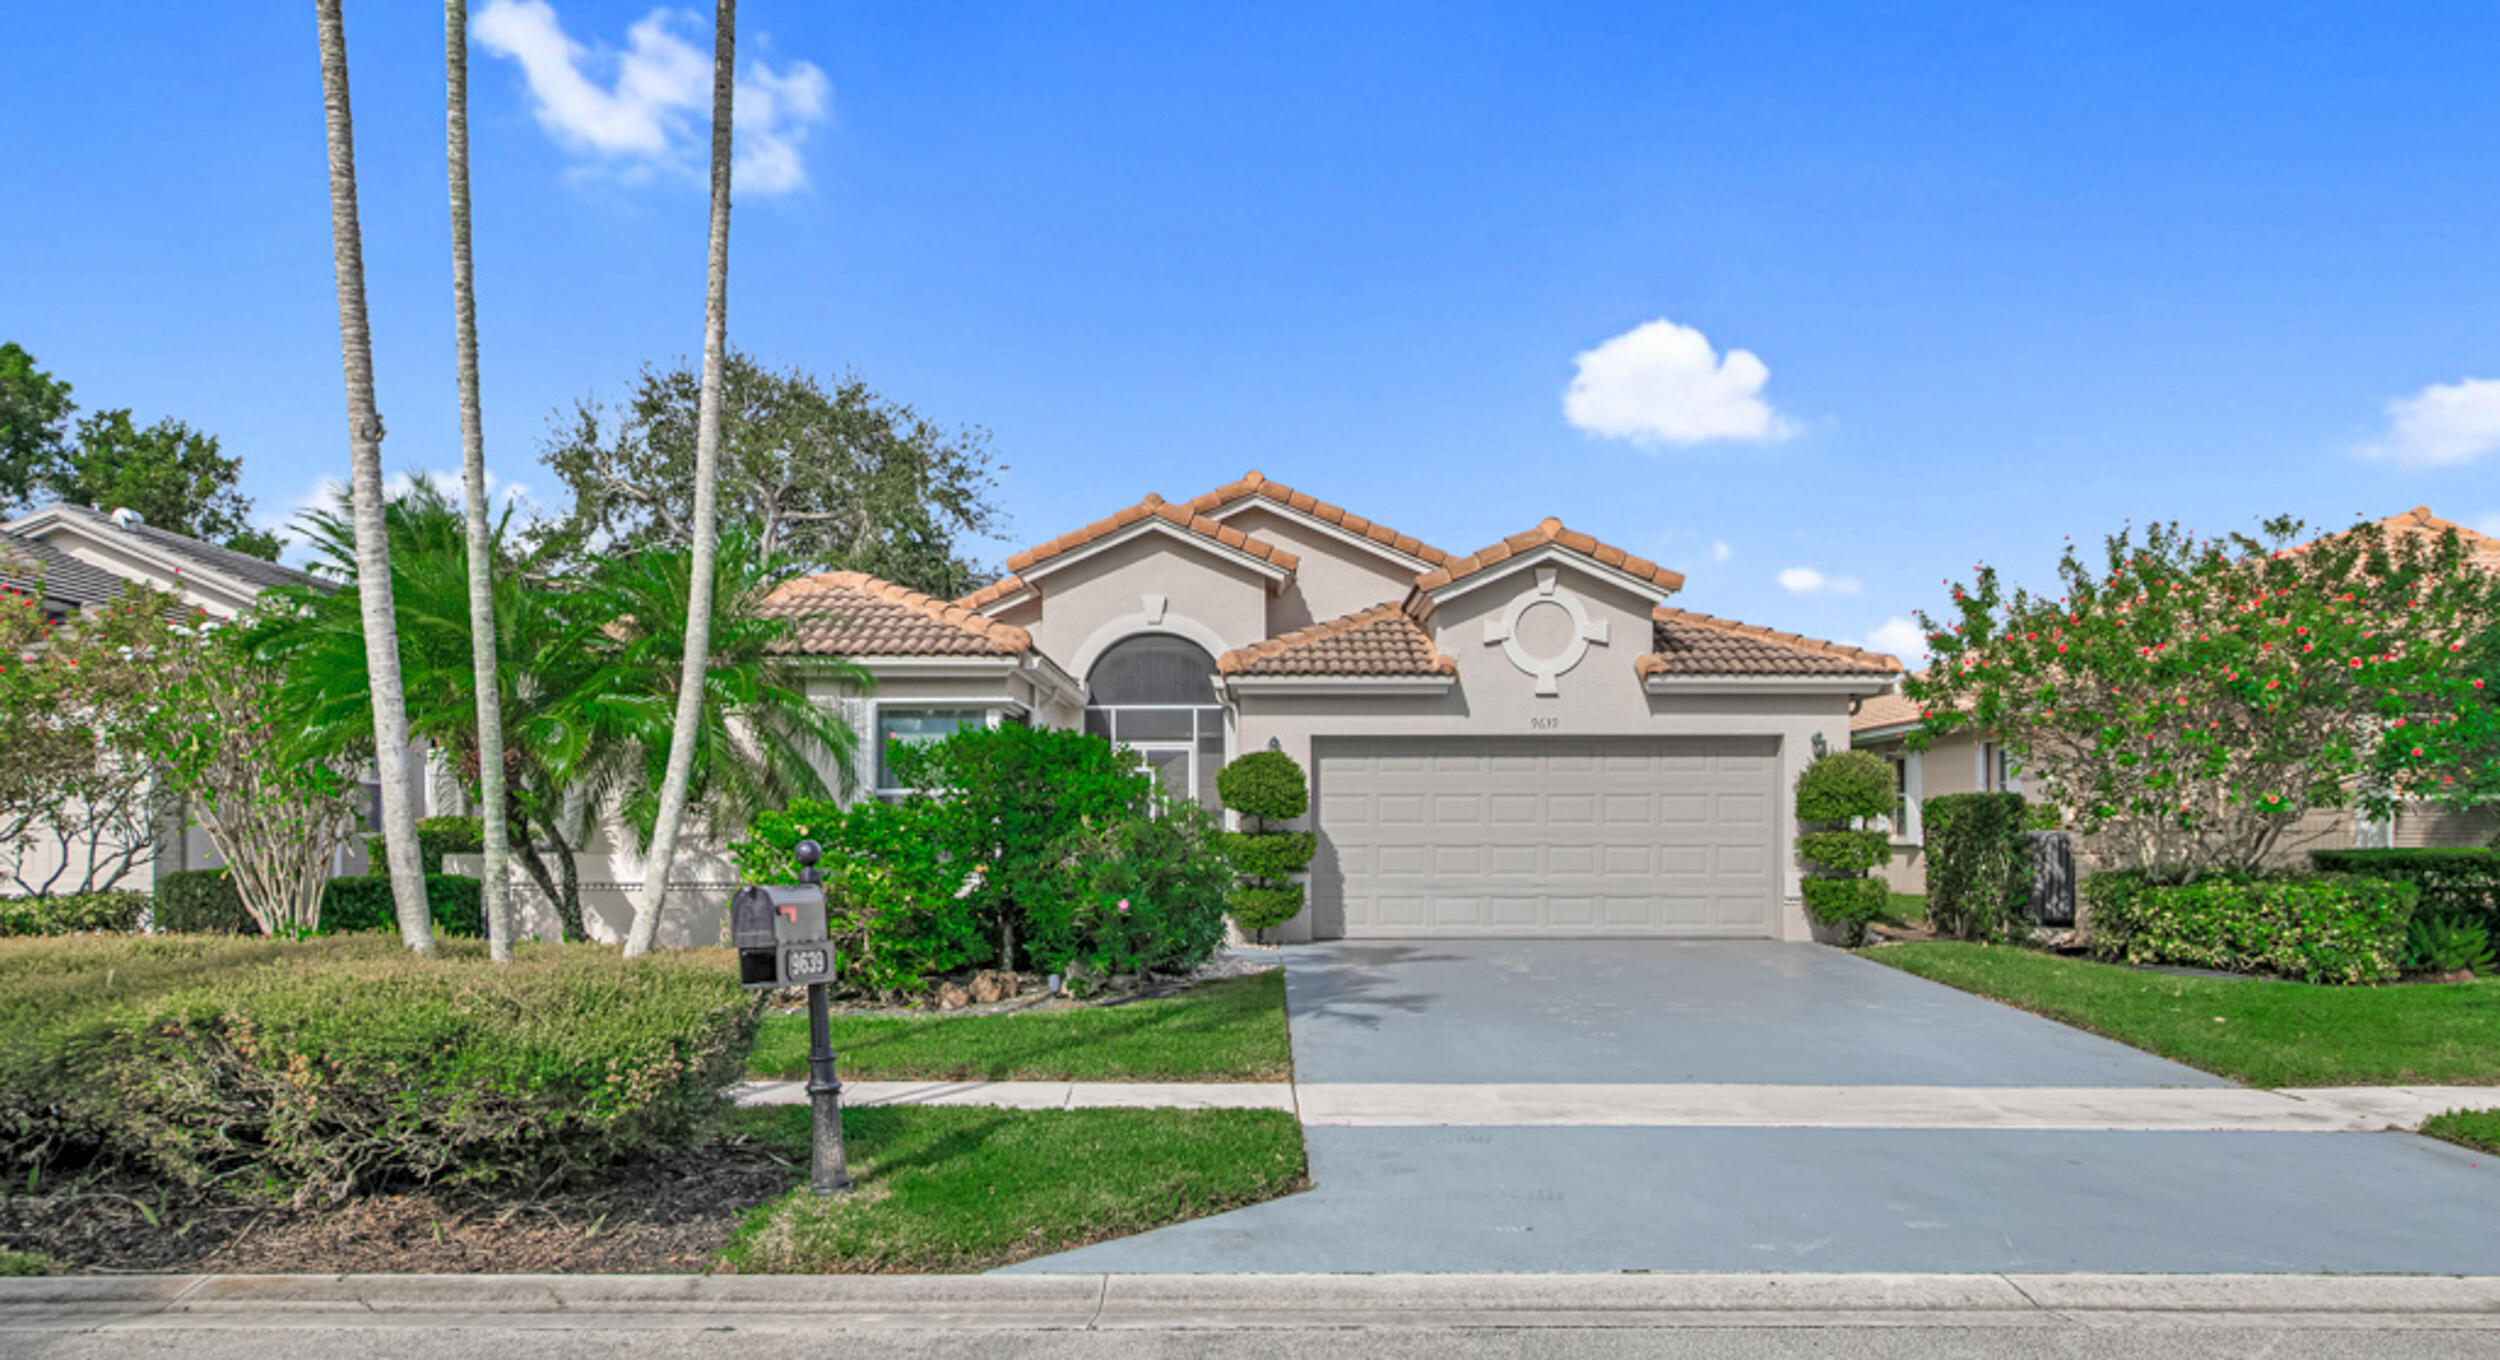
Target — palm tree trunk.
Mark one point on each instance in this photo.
(497, 839)
(364, 446)
(672, 811)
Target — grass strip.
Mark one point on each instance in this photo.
(2254, 1030)
(2477, 1129)
(1228, 1030)
(953, 1188)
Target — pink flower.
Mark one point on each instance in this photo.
(1124, 901)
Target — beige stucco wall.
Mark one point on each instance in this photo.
(1086, 606)
(1601, 696)
(1335, 577)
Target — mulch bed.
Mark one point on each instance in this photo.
(666, 1215)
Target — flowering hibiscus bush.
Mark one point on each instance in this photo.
(2189, 697)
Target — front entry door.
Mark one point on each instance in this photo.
(1171, 765)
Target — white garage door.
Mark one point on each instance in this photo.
(1541, 836)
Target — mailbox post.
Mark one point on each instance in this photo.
(783, 941)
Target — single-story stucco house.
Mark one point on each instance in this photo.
(1525, 740)
(1971, 761)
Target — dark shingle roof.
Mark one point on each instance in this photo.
(67, 582)
(1380, 641)
(243, 567)
(1686, 643)
(850, 613)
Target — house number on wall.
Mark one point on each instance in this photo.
(1504, 632)
(1544, 724)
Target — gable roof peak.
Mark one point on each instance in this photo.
(1550, 531)
(1257, 485)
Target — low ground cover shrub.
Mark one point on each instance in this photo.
(1049, 851)
(2316, 928)
(1978, 863)
(2448, 944)
(2460, 883)
(320, 1067)
(456, 903)
(201, 902)
(110, 913)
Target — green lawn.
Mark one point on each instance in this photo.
(1907, 909)
(1230, 1030)
(2260, 1032)
(24, 1263)
(2477, 1129)
(960, 1188)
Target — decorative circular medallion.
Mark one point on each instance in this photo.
(1548, 670)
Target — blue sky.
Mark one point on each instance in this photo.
(2006, 273)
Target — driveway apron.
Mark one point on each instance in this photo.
(1602, 1197)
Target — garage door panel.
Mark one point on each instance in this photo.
(1631, 836)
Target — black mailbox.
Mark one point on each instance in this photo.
(780, 933)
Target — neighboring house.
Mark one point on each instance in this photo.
(85, 558)
(1522, 741)
(1968, 761)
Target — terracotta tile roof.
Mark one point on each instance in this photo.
(1551, 531)
(850, 613)
(1159, 508)
(990, 594)
(1888, 709)
(1257, 484)
(1687, 643)
(1380, 641)
(2481, 549)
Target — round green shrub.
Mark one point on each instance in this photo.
(1263, 908)
(112, 912)
(1846, 785)
(1847, 904)
(201, 902)
(1847, 852)
(1277, 854)
(1265, 784)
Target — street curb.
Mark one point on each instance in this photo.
(1091, 1302)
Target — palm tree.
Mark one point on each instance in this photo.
(364, 446)
(588, 691)
(498, 899)
(678, 776)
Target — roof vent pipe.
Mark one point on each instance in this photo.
(127, 518)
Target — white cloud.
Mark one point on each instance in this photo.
(1899, 636)
(1662, 383)
(649, 106)
(1808, 581)
(2441, 425)
(1720, 551)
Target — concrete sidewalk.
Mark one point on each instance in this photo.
(2358, 1109)
(132, 1305)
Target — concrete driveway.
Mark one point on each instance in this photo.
(1601, 1196)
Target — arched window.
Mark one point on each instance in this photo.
(1156, 693)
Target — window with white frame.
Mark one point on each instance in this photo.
(915, 727)
(1997, 771)
(1155, 694)
(1900, 762)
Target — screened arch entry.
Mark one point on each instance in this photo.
(1155, 693)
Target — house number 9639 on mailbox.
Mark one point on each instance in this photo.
(780, 934)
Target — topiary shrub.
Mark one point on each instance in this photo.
(1839, 792)
(436, 837)
(2316, 928)
(1267, 788)
(456, 903)
(108, 913)
(201, 902)
(1978, 863)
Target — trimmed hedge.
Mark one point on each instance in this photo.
(201, 902)
(436, 837)
(114, 912)
(1845, 785)
(1978, 863)
(323, 1067)
(2462, 883)
(457, 904)
(1846, 852)
(2319, 928)
(1277, 855)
